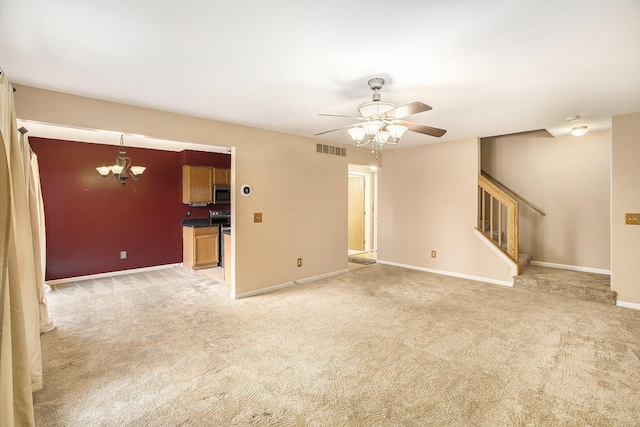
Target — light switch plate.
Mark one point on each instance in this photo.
(632, 219)
(257, 217)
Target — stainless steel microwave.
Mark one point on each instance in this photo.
(221, 194)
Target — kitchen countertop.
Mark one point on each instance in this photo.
(195, 223)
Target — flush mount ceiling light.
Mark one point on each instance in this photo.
(579, 131)
(382, 121)
(122, 169)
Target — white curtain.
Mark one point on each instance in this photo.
(36, 210)
(23, 310)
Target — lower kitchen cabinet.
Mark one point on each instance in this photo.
(200, 246)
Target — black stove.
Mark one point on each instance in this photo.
(221, 218)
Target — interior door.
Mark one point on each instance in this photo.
(356, 213)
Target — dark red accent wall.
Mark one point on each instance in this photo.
(90, 219)
(200, 158)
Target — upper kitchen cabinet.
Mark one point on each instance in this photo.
(221, 176)
(196, 184)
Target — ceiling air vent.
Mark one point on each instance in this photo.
(330, 149)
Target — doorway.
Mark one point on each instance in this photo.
(362, 207)
(356, 239)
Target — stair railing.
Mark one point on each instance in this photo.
(512, 193)
(498, 217)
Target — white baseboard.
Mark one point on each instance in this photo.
(633, 305)
(109, 274)
(449, 273)
(572, 267)
(262, 291)
(286, 285)
(321, 276)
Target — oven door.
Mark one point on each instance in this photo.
(224, 229)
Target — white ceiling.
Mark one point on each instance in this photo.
(486, 67)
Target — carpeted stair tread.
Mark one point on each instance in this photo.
(575, 284)
(524, 259)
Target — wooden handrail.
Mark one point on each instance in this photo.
(496, 191)
(509, 191)
(491, 193)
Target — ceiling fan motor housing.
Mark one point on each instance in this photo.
(376, 84)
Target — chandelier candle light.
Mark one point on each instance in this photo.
(122, 169)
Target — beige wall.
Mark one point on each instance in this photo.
(301, 194)
(568, 178)
(427, 195)
(625, 239)
(428, 201)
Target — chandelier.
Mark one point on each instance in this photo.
(122, 169)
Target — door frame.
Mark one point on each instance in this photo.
(370, 204)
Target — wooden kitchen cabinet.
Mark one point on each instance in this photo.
(200, 247)
(196, 184)
(221, 176)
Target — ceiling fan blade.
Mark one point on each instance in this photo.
(336, 115)
(333, 130)
(407, 110)
(417, 127)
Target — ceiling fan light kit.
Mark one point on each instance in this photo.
(372, 127)
(382, 121)
(357, 134)
(375, 108)
(396, 131)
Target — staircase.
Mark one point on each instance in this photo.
(523, 261)
(498, 213)
(574, 284)
(498, 219)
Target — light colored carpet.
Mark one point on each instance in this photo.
(378, 346)
(575, 284)
(361, 260)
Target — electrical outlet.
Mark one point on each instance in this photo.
(299, 262)
(257, 217)
(188, 213)
(123, 254)
(433, 254)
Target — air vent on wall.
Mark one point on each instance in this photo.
(330, 149)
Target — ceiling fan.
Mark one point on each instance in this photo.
(381, 122)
